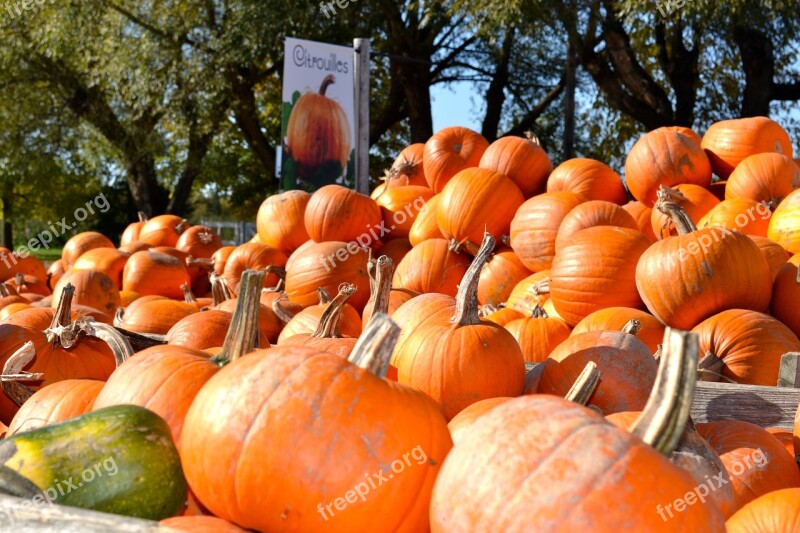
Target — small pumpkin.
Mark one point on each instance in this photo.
(327, 336)
(55, 403)
(199, 241)
(448, 152)
(538, 335)
(336, 213)
(400, 206)
(156, 273)
(694, 199)
(281, 220)
(591, 214)
(252, 256)
(132, 230)
(110, 261)
(307, 321)
(500, 275)
(530, 292)
(773, 252)
(156, 316)
(92, 288)
(83, 242)
(650, 331)
(520, 159)
(163, 230)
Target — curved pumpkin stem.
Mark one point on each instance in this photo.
(373, 350)
(117, 342)
(379, 299)
(200, 262)
(188, 295)
(278, 271)
(63, 313)
(284, 315)
(220, 291)
(119, 317)
(467, 296)
(182, 226)
(486, 310)
(242, 335)
(663, 420)
(541, 287)
(710, 368)
(323, 295)
(679, 217)
(143, 216)
(13, 374)
(539, 312)
(327, 82)
(585, 385)
(532, 137)
(632, 327)
(328, 327)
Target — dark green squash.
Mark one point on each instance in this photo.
(120, 459)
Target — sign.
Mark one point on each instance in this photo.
(318, 127)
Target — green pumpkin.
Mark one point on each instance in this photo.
(120, 460)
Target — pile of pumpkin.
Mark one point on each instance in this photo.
(537, 332)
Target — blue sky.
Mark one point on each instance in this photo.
(452, 106)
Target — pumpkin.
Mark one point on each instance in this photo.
(281, 220)
(11, 309)
(307, 321)
(503, 316)
(407, 168)
(163, 230)
(28, 286)
(400, 207)
(12, 264)
(499, 276)
(412, 314)
(55, 403)
(327, 336)
(591, 214)
(149, 272)
(336, 213)
(318, 133)
(92, 288)
(755, 460)
(110, 261)
(597, 269)
(664, 157)
(327, 265)
(132, 230)
(538, 335)
(767, 178)
(199, 241)
(132, 248)
(589, 180)
(202, 331)
(650, 330)
(450, 358)
(522, 160)
(693, 199)
(54, 273)
(270, 324)
(475, 201)
(686, 279)
(535, 225)
(461, 423)
(252, 256)
(448, 152)
(688, 132)
(253, 393)
(396, 249)
(784, 223)
(773, 512)
(82, 242)
(200, 524)
(426, 224)
(431, 267)
(530, 292)
(785, 295)
(220, 258)
(729, 142)
(786, 438)
(773, 252)
(743, 346)
(154, 316)
(742, 214)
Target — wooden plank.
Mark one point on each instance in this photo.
(362, 63)
(23, 516)
(789, 374)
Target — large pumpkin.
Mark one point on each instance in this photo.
(450, 151)
(318, 133)
(281, 220)
(336, 213)
(664, 157)
(729, 142)
(694, 199)
(92, 288)
(784, 223)
(520, 159)
(255, 256)
(774, 512)
(149, 272)
(742, 214)
(589, 179)
(83, 242)
(431, 267)
(767, 177)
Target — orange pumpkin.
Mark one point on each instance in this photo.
(500, 275)
(729, 142)
(156, 273)
(767, 177)
(503, 316)
(82, 242)
(785, 295)
(400, 206)
(426, 224)
(156, 316)
(431, 267)
(327, 337)
(688, 132)
(450, 151)
(200, 524)
(530, 292)
(55, 403)
(742, 214)
(650, 330)
(588, 179)
(163, 230)
(774, 512)
(133, 247)
(664, 157)
(54, 273)
(784, 223)
(336, 213)
(252, 256)
(132, 230)
(280, 220)
(520, 159)
(538, 335)
(773, 252)
(199, 241)
(591, 214)
(202, 331)
(220, 258)
(12, 264)
(694, 199)
(110, 261)
(461, 423)
(92, 288)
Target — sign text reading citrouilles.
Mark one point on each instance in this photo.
(318, 129)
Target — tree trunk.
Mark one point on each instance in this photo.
(495, 94)
(758, 63)
(8, 213)
(245, 111)
(570, 81)
(416, 81)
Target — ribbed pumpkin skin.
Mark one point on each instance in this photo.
(539, 463)
(81, 243)
(696, 201)
(199, 241)
(29, 266)
(589, 179)
(131, 233)
(627, 367)
(785, 295)
(55, 403)
(537, 337)
(746, 216)
(664, 157)
(220, 258)
(499, 276)
(156, 316)
(274, 396)
(425, 225)
(751, 344)
(395, 249)
(310, 268)
(597, 269)
(460, 425)
(256, 256)
(92, 288)
(269, 325)
(766, 177)
(736, 442)
(784, 223)
(400, 207)
(307, 320)
(410, 161)
(431, 267)
(155, 273)
(729, 142)
(503, 316)
(775, 512)
(336, 213)
(591, 214)
(521, 160)
(164, 379)
(523, 297)
(163, 230)
(201, 331)
(641, 214)
(450, 151)
(615, 318)
(773, 252)
(107, 260)
(281, 220)
(688, 132)
(418, 310)
(535, 227)
(477, 200)
(728, 272)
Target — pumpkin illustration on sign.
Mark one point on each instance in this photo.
(318, 135)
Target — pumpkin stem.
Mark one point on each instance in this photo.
(679, 217)
(9, 289)
(467, 296)
(459, 247)
(584, 386)
(19, 281)
(379, 298)
(532, 137)
(324, 295)
(13, 373)
(327, 82)
(220, 291)
(200, 262)
(539, 312)
(188, 295)
(541, 287)
(181, 226)
(486, 310)
(328, 327)
(373, 350)
(710, 368)
(119, 318)
(63, 313)
(142, 216)
(669, 194)
(632, 327)
(242, 334)
(663, 420)
(117, 342)
(284, 315)
(4, 290)
(278, 271)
